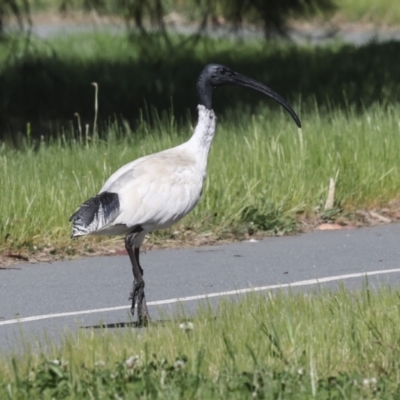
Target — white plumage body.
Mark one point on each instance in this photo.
(158, 190)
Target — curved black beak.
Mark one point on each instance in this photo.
(241, 80)
(214, 75)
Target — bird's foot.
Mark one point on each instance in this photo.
(138, 298)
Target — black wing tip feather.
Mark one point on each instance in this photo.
(86, 218)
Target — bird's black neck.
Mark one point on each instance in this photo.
(204, 91)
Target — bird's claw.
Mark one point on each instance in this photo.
(137, 297)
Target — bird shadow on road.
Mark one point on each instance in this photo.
(112, 325)
(134, 324)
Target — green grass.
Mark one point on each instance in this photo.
(328, 345)
(385, 12)
(262, 172)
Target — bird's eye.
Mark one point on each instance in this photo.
(223, 71)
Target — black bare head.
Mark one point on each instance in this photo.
(214, 75)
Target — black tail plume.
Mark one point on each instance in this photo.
(95, 213)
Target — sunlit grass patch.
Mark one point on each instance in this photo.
(296, 345)
(263, 172)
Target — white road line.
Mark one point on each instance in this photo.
(206, 296)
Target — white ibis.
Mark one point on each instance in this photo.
(156, 191)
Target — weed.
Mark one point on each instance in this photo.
(324, 344)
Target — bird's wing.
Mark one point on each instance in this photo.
(121, 171)
(156, 191)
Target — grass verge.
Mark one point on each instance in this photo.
(264, 174)
(322, 344)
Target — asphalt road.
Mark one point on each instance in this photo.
(78, 294)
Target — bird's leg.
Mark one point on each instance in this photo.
(136, 254)
(137, 294)
(145, 311)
